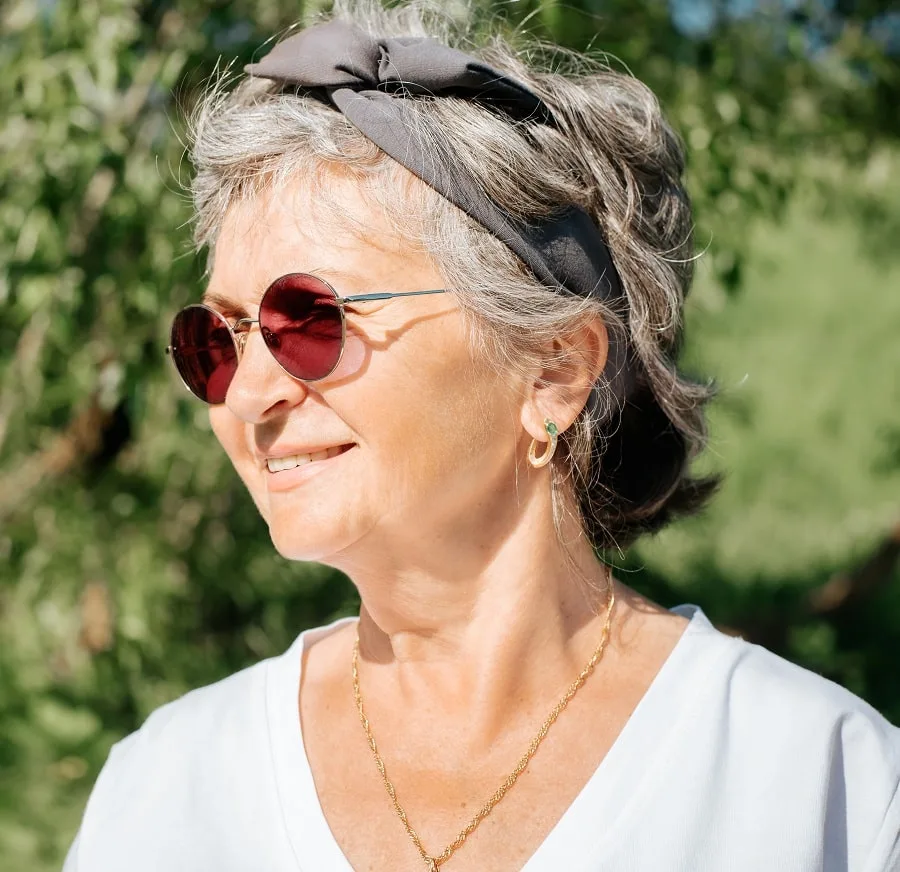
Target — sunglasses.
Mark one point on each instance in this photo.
(302, 322)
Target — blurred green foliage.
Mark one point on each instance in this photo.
(133, 566)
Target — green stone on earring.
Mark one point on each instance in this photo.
(550, 427)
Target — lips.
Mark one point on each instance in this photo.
(286, 462)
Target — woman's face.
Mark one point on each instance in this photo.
(429, 431)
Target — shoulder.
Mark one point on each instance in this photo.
(199, 758)
(768, 688)
(746, 666)
(219, 712)
(214, 733)
(793, 740)
(184, 741)
(201, 771)
(757, 687)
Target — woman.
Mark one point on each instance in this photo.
(444, 298)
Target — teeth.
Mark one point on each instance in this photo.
(280, 464)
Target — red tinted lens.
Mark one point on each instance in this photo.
(302, 324)
(204, 352)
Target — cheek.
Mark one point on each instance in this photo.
(229, 430)
(354, 358)
(223, 424)
(443, 415)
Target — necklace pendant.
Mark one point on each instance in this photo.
(432, 864)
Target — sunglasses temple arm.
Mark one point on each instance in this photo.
(360, 298)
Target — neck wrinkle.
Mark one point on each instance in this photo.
(513, 633)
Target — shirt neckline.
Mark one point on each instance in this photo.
(577, 840)
(602, 799)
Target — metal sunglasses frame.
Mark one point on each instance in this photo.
(239, 335)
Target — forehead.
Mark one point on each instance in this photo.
(334, 227)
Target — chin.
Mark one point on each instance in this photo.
(307, 541)
(292, 550)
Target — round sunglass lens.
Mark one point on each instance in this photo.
(302, 325)
(204, 353)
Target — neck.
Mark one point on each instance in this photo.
(475, 625)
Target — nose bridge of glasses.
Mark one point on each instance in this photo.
(240, 329)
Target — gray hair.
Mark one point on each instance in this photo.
(612, 153)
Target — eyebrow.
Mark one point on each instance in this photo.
(224, 305)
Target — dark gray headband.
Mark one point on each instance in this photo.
(362, 76)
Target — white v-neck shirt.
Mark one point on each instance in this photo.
(735, 760)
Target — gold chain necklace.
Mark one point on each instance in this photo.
(432, 863)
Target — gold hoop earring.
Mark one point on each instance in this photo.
(547, 456)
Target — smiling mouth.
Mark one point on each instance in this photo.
(292, 461)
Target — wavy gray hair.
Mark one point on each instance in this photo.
(612, 153)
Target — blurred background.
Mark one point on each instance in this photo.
(133, 567)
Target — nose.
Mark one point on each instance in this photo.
(260, 387)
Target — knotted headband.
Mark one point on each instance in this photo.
(366, 79)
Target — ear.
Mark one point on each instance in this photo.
(572, 365)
